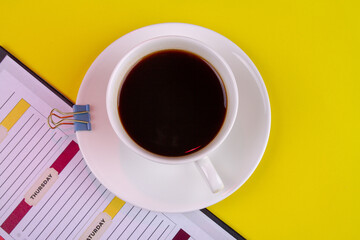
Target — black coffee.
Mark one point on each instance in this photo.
(172, 103)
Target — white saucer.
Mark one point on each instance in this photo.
(174, 188)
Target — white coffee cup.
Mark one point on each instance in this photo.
(200, 157)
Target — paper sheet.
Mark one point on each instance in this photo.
(48, 192)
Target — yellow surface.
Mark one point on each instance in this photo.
(114, 207)
(14, 115)
(307, 184)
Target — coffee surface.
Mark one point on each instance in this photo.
(172, 103)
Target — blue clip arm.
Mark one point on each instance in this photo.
(79, 126)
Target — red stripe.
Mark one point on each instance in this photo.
(1, 238)
(65, 157)
(181, 235)
(15, 217)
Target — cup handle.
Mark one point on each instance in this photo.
(209, 172)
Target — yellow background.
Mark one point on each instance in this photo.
(307, 184)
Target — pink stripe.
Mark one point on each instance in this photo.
(181, 235)
(192, 149)
(15, 217)
(65, 157)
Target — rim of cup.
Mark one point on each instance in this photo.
(172, 42)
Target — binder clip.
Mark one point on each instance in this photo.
(80, 118)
